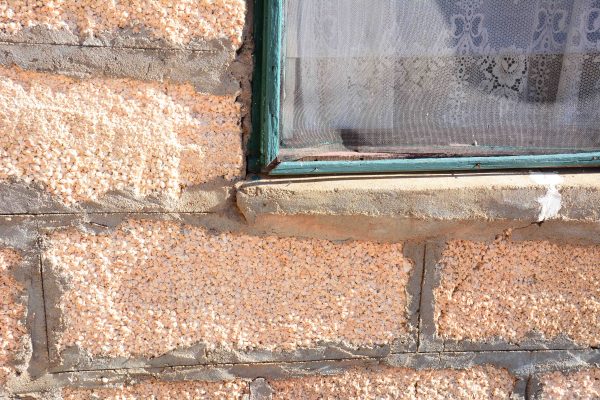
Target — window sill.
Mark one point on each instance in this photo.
(563, 206)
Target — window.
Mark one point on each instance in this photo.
(391, 85)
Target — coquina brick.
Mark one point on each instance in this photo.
(83, 138)
(579, 385)
(391, 383)
(178, 21)
(151, 287)
(13, 333)
(510, 290)
(233, 390)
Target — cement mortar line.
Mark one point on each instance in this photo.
(529, 390)
(84, 213)
(419, 310)
(83, 46)
(539, 351)
(41, 267)
(175, 368)
(369, 360)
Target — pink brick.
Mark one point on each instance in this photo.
(152, 287)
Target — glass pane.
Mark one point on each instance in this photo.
(441, 76)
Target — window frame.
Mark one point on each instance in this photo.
(263, 145)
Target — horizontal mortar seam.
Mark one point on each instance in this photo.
(92, 46)
(84, 213)
(421, 286)
(335, 360)
(221, 365)
(41, 268)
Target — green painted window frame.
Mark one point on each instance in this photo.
(263, 146)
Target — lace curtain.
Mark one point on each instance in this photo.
(448, 76)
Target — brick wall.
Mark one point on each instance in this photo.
(127, 270)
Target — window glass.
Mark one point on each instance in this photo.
(458, 77)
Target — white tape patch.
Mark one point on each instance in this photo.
(551, 202)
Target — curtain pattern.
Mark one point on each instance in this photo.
(458, 76)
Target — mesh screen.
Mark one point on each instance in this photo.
(448, 76)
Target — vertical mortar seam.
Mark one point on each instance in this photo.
(423, 261)
(44, 303)
(95, 46)
(528, 390)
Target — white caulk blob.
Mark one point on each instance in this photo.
(551, 202)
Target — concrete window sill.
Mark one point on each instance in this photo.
(404, 207)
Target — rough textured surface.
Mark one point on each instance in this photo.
(12, 313)
(148, 122)
(478, 383)
(579, 385)
(179, 21)
(82, 139)
(509, 290)
(163, 391)
(152, 287)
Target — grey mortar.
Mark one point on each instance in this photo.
(211, 197)
(207, 70)
(523, 365)
(20, 234)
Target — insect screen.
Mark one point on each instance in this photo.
(441, 76)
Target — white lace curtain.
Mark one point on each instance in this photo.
(452, 76)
